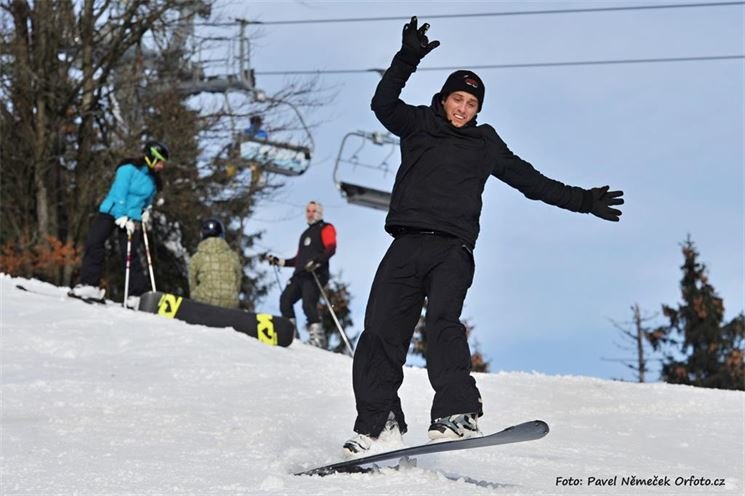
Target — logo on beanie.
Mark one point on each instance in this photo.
(466, 81)
(470, 81)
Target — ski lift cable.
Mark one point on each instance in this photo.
(488, 14)
(569, 63)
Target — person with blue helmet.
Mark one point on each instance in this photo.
(215, 271)
(125, 208)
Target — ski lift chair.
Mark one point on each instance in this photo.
(365, 196)
(357, 194)
(274, 156)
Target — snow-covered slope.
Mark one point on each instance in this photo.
(98, 400)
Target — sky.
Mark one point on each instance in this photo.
(100, 400)
(549, 283)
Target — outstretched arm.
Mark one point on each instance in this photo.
(522, 176)
(397, 116)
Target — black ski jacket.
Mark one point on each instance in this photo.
(317, 243)
(444, 169)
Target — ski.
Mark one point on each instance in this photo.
(89, 301)
(527, 431)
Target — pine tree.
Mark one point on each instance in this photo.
(698, 348)
(82, 86)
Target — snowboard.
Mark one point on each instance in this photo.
(527, 431)
(267, 328)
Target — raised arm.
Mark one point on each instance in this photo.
(397, 116)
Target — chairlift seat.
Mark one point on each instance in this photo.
(365, 196)
(276, 157)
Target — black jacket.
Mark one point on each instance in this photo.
(444, 169)
(317, 243)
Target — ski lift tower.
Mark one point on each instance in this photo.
(244, 80)
(270, 155)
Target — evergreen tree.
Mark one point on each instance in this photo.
(82, 86)
(59, 131)
(698, 348)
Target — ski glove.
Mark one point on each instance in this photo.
(602, 199)
(126, 223)
(415, 44)
(272, 260)
(312, 265)
(147, 215)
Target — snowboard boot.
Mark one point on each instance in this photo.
(86, 292)
(133, 302)
(459, 426)
(317, 335)
(294, 325)
(361, 445)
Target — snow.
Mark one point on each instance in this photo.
(99, 400)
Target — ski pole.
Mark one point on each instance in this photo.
(126, 269)
(264, 256)
(276, 274)
(333, 315)
(149, 260)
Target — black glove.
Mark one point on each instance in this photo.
(602, 199)
(415, 44)
(272, 260)
(312, 265)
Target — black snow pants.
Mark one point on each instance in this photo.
(305, 287)
(94, 257)
(416, 265)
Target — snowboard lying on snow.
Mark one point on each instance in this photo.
(527, 431)
(267, 328)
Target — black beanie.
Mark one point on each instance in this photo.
(464, 81)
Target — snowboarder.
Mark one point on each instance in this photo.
(434, 213)
(316, 246)
(215, 270)
(126, 207)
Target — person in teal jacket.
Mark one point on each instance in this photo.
(125, 207)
